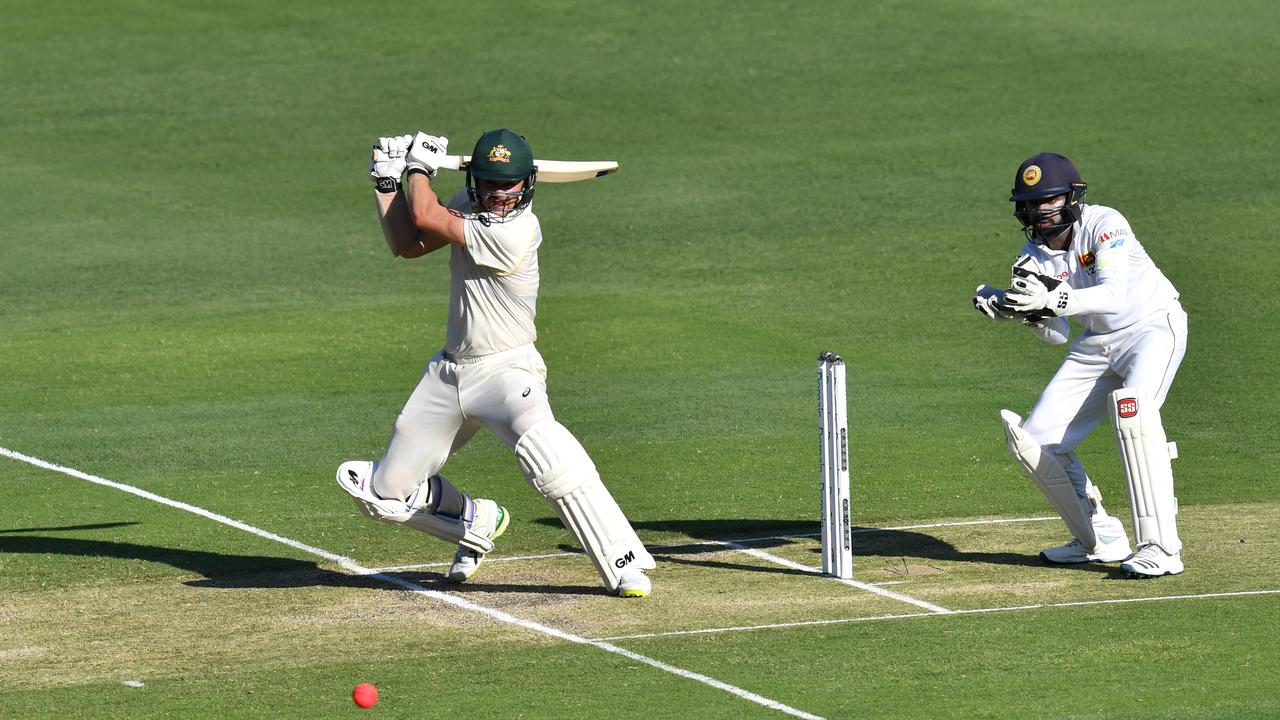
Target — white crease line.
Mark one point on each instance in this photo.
(770, 557)
(355, 567)
(176, 504)
(1120, 601)
(769, 626)
(975, 611)
(958, 523)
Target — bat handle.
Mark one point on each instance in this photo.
(450, 162)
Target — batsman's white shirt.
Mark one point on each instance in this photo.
(1114, 282)
(489, 374)
(493, 297)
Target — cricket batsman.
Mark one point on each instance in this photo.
(1083, 261)
(488, 375)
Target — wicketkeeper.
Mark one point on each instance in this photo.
(488, 374)
(1084, 261)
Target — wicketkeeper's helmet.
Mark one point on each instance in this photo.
(501, 156)
(1043, 176)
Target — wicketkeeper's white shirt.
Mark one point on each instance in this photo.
(1114, 282)
(493, 294)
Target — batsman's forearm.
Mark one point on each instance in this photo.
(437, 225)
(397, 224)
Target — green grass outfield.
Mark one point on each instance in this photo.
(195, 302)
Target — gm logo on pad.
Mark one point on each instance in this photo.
(1128, 407)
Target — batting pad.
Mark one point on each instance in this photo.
(355, 478)
(1147, 456)
(557, 466)
(1048, 474)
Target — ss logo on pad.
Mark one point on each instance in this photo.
(1127, 407)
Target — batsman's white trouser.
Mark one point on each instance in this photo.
(1075, 400)
(504, 392)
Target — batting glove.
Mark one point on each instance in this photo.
(388, 162)
(426, 152)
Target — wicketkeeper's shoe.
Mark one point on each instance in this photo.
(491, 520)
(634, 584)
(1113, 545)
(1152, 561)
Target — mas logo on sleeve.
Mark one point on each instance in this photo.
(1114, 237)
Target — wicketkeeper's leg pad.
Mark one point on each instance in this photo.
(1049, 475)
(558, 467)
(1146, 454)
(466, 522)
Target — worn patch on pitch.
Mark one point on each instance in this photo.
(913, 570)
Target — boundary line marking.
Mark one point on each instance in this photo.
(355, 567)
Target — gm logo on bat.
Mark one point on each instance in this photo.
(1127, 407)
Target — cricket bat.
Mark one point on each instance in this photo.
(551, 171)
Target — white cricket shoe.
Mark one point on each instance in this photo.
(1113, 545)
(491, 520)
(1152, 561)
(635, 584)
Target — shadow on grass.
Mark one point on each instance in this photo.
(899, 544)
(437, 581)
(228, 572)
(96, 526)
(867, 542)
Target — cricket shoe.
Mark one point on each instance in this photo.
(491, 520)
(634, 584)
(1152, 561)
(1113, 545)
